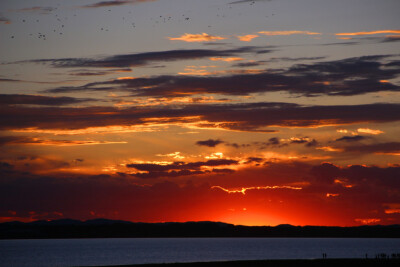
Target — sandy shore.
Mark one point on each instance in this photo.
(283, 263)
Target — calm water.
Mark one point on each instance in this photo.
(114, 251)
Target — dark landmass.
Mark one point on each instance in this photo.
(281, 263)
(102, 228)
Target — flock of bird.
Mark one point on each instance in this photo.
(62, 22)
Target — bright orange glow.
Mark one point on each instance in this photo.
(247, 38)
(330, 149)
(244, 189)
(369, 131)
(203, 37)
(126, 78)
(368, 33)
(40, 142)
(331, 195)
(391, 211)
(368, 220)
(227, 59)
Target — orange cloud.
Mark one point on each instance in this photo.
(272, 33)
(393, 36)
(391, 211)
(44, 142)
(369, 131)
(126, 78)
(368, 220)
(331, 195)
(247, 38)
(368, 33)
(227, 59)
(244, 189)
(203, 37)
(330, 149)
(392, 208)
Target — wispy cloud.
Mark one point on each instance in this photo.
(367, 33)
(203, 37)
(24, 140)
(151, 170)
(273, 33)
(244, 189)
(247, 38)
(369, 131)
(37, 9)
(115, 3)
(4, 20)
(20, 99)
(345, 77)
(253, 117)
(141, 59)
(248, 1)
(228, 59)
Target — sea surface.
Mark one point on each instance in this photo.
(120, 251)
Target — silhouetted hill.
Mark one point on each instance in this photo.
(102, 228)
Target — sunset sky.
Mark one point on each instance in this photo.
(247, 112)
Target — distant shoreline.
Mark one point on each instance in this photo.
(281, 263)
(102, 228)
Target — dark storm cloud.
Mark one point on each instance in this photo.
(346, 77)
(209, 142)
(240, 117)
(141, 59)
(19, 99)
(354, 138)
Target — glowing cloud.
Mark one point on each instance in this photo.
(203, 37)
(227, 59)
(369, 131)
(368, 220)
(244, 189)
(272, 33)
(331, 195)
(247, 38)
(330, 149)
(392, 208)
(46, 142)
(367, 33)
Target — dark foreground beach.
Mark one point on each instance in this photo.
(281, 263)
